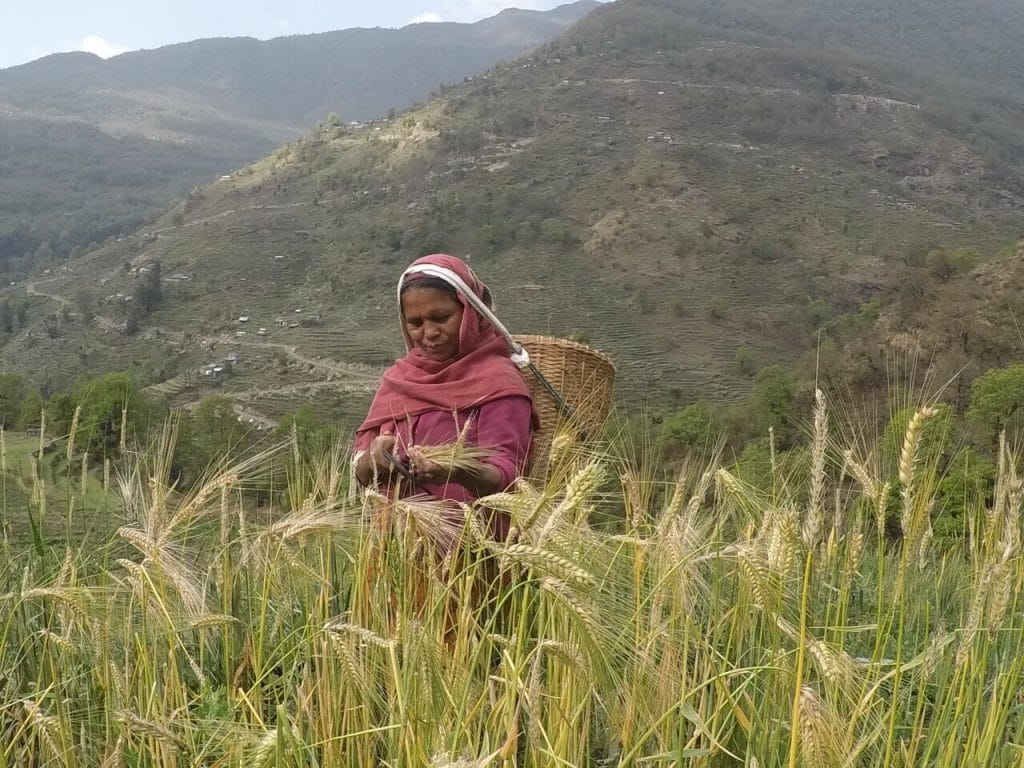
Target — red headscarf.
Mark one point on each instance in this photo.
(480, 372)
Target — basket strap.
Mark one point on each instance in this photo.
(519, 354)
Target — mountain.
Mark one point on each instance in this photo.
(90, 147)
(699, 189)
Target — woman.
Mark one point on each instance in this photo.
(456, 371)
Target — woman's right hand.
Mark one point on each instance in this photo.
(373, 461)
(381, 447)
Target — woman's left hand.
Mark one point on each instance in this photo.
(480, 482)
(426, 470)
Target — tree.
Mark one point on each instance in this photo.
(311, 430)
(944, 263)
(746, 361)
(85, 301)
(965, 485)
(31, 410)
(219, 431)
(60, 411)
(132, 320)
(996, 397)
(692, 428)
(208, 436)
(6, 316)
(772, 398)
(110, 403)
(12, 394)
(148, 291)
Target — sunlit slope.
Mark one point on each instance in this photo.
(686, 195)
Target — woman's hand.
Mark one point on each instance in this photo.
(374, 461)
(481, 481)
(426, 470)
(382, 447)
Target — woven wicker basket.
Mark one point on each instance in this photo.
(582, 376)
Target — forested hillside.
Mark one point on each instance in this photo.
(92, 148)
(701, 190)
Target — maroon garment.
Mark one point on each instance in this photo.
(503, 426)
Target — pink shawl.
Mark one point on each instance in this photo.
(482, 371)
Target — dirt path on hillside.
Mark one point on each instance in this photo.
(751, 90)
(337, 375)
(245, 411)
(32, 290)
(250, 416)
(235, 211)
(345, 370)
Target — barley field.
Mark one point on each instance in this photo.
(628, 619)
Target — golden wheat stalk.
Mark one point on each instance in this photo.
(855, 551)
(343, 628)
(835, 665)
(562, 444)
(45, 725)
(212, 620)
(819, 726)
(151, 728)
(1002, 588)
(860, 473)
(346, 645)
(124, 426)
(63, 643)
(310, 520)
(263, 749)
(456, 457)
(759, 578)
(72, 431)
(567, 652)
(783, 541)
(42, 432)
(446, 760)
(813, 526)
(78, 599)
(115, 759)
(439, 522)
(543, 560)
(84, 477)
(578, 491)
(908, 461)
(561, 590)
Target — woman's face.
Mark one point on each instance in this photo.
(432, 319)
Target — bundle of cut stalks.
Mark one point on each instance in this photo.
(456, 456)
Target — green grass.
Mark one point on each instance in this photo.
(70, 513)
(705, 622)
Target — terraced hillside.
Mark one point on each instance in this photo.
(694, 194)
(92, 148)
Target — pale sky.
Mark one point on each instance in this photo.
(30, 29)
